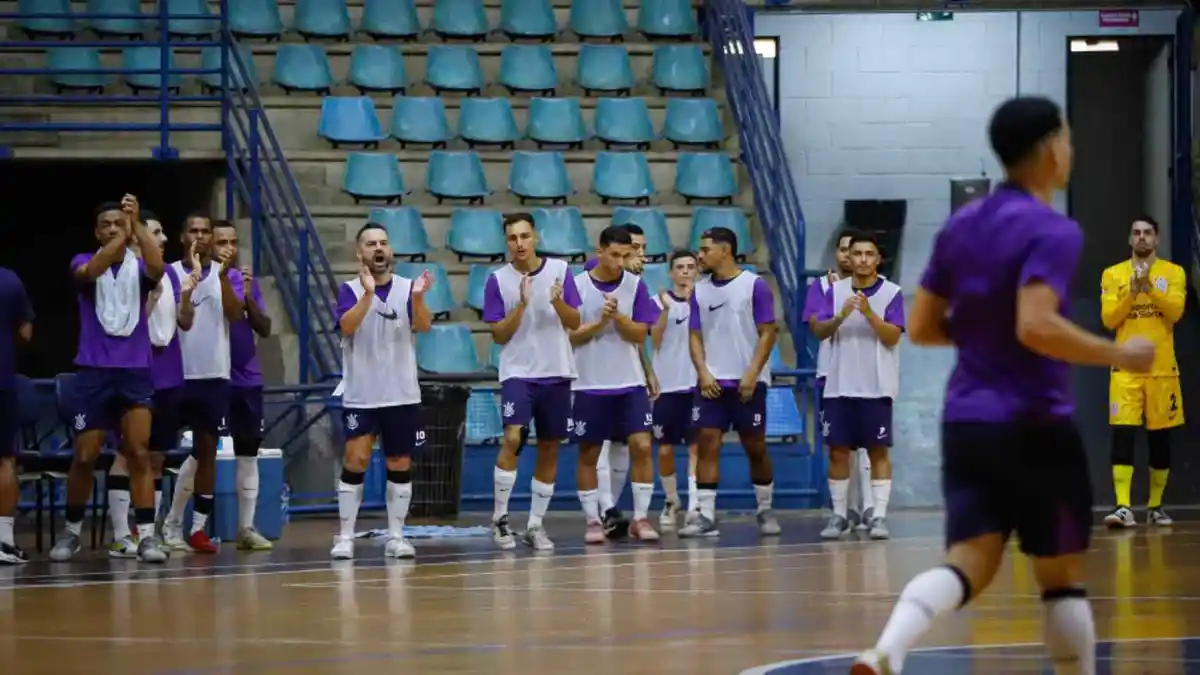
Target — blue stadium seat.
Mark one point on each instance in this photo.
(447, 349)
(456, 175)
(539, 175)
(454, 68)
(438, 299)
(378, 68)
(679, 68)
(487, 121)
(420, 121)
(528, 19)
(390, 19)
(705, 217)
(374, 176)
(783, 414)
(622, 175)
(654, 226)
(302, 68)
(693, 122)
(666, 19)
(351, 120)
(749, 268)
(405, 230)
(561, 232)
(494, 356)
(598, 19)
(59, 27)
(705, 175)
(605, 69)
(256, 19)
(483, 417)
(459, 19)
(148, 58)
(190, 28)
(624, 121)
(528, 68)
(476, 283)
(322, 19)
(575, 270)
(76, 58)
(210, 59)
(115, 27)
(476, 233)
(556, 121)
(777, 363)
(657, 278)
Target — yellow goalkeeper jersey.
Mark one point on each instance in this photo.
(1151, 315)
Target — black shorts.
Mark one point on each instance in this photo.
(1030, 478)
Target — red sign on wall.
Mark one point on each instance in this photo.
(1119, 18)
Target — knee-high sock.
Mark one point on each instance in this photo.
(184, 485)
(854, 488)
(618, 467)
(247, 481)
(864, 479)
(118, 504)
(1122, 483)
(604, 479)
(1070, 632)
(929, 594)
(350, 494)
(399, 498)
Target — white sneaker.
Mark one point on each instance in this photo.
(343, 548)
(871, 662)
(173, 538)
(537, 539)
(398, 547)
(124, 548)
(502, 534)
(667, 522)
(1120, 518)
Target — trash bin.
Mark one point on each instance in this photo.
(437, 471)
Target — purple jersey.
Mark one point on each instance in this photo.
(98, 349)
(15, 311)
(591, 264)
(814, 300)
(986, 252)
(166, 364)
(244, 370)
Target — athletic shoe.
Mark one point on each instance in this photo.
(1120, 518)
(199, 542)
(152, 550)
(702, 527)
(502, 534)
(251, 540)
(641, 530)
(594, 534)
(879, 529)
(398, 547)
(864, 520)
(691, 517)
(768, 525)
(536, 538)
(872, 662)
(343, 548)
(66, 547)
(173, 538)
(124, 548)
(616, 526)
(669, 517)
(11, 554)
(855, 519)
(836, 528)
(1157, 516)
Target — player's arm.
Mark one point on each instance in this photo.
(588, 331)
(566, 306)
(419, 316)
(152, 257)
(660, 327)
(889, 327)
(1115, 304)
(927, 320)
(635, 327)
(763, 302)
(503, 324)
(24, 317)
(186, 312)
(814, 301)
(231, 305)
(259, 321)
(351, 310)
(1171, 301)
(110, 254)
(827, 321)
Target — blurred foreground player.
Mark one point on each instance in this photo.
(16, 327)
(996, 287)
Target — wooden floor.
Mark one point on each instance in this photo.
(788, 606)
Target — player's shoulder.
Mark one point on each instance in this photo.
(1123, 267)
(81, 259)
(1172, 269)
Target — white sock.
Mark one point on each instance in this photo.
(604, 479)
(839, 490)
(642, 494)
(184, 484)
(618, 467)
(863, 478)
(539, 501)
(706, 500)
(199, 520)
(762, 495)
(856, 487)
(6, 530)
(671, 488)
(399, 496)
(157, 502)
(1070, 636)
(349, 499)
(929, 594)
(118, 513)
(502, 482)
(247, 481)
(691, 493)
(590, 501)
(149, 529)
(881, 490)
(74, 528)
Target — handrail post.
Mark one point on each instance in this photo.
(255, 189)
(302, 296)
(164, 81)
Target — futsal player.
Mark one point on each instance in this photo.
(1143, 296)
(677, 377)
(379, 314)
(863, 319)
(16, 327)
(732, 331)
(611, 394)
(113, 388)
(996, 287)
(530, 304)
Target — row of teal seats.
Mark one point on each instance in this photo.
(490, 121)
(540, 175)
(381, 19)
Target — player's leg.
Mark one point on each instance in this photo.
(604, 479)
(693, 506)
(840, 427)
(1164, 412)
(164, 437)
(135, 447)
(210, 405)
(635, 421)
(587, 482)
(672, 415)
(246, 426)
(359, 428)
(1126, 410)
(712, 417)
(860, 483)
(402, 433)
(751, 425)
(124, 543)
(619, 463)
(593, 426)
(516, 405)
(551, 409)
(10, 553)
(877, 428)
(94, 397)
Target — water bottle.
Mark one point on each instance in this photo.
(286, 498)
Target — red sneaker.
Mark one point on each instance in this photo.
(200, 543)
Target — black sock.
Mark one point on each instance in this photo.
(75, 513)
(158, 484)
(202, 504)
(117, 483)
(351, 478)
(143, 516)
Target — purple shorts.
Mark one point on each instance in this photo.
(101, 396)
(399, 428)
(673, 418)
(10, 410)
(727, 411)
(857, 422)
(204, 405)
(164, 427)
(598, 417)
(246, 412)
(546, 404)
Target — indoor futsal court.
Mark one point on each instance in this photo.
(788, 606)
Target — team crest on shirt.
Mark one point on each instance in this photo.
(351, 421)
(658, 432)
(510, 409)
(580, 428)
(824, 429)
(1161, 284)
(696, 413)
(80, 422)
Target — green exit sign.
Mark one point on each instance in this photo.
(935, 16)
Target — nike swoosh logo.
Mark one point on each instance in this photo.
(713, 308)
(679, 321)
(391, 316)
(197, 303)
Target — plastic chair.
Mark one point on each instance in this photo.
(256, 19)
(447, 349)
(459, 19)
(603, 19)
(456, 175)
(666, 19)
(693, 122)
(378, 68)
(302, 68)
(59, 26)
(483, 418)
(528, 68)
(624, 121)
(487, 121)
(405, 230)
(149, 58)
(622, 175)
(783, 415)
(76, 58)
(528, 19)
(654, 226)
(477, 278)
(103, 28)
(390, 19)
(419, 121)
(438, 299)
(556, 121)
(454, 68)
(322, 19)
(190, 28)
(705, 175)
(706, 217)
(777, 363)
(657, 278)
(680, 68)
(539, 175)
(604, 68)
(350, 120)
(476, 233)
(210, 59)
(561, 233)
(372, 175)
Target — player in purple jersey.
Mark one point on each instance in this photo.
(16, 327)
(997, 287)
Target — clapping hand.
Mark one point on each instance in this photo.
(423, 283)
(526, 288)
(366, 279)
(556, 291)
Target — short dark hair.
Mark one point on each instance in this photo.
(369, 226)
(848, 232)
(1147, 220)
(106, 206)
(634, 228)
(148, 215)
(519, 217)
(615, 234)
(677, 254)
(864, 238)
(1020, 124)
(197, 214)
(722, 235)
(223, 223)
